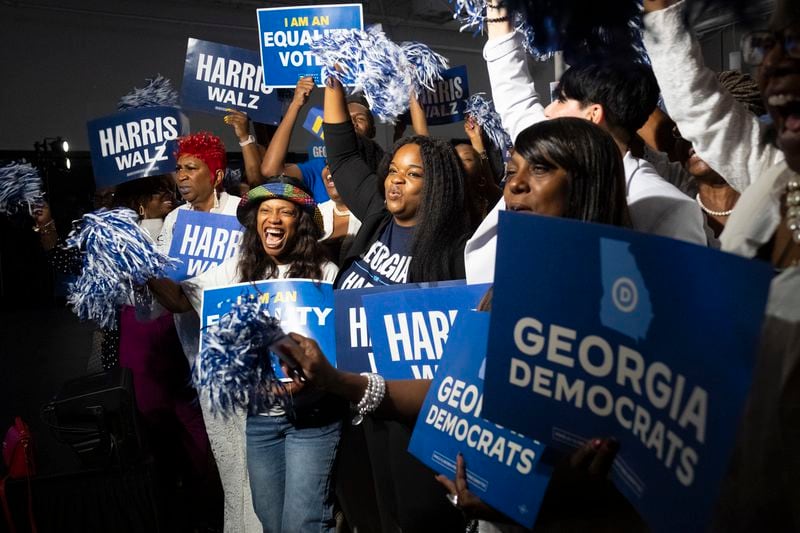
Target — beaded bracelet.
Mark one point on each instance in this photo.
(498, 5)
(373, 396)
(498, 19)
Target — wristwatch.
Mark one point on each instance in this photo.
(250, 140)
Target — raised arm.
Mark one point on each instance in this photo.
(723, 132)
(515, 97)
(251, 151)
(274, 162)
(419, 122)
(355, 181)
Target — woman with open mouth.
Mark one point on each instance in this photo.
(281, 240)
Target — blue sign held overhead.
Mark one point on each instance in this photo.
(410, 328)
(503, 467)
(447, 102)
(313, 123)
(218, 77)
(285, 35)
(203, 240)
(135, 144)
(607, 336)
(302, 306)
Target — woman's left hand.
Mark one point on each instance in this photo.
(461, 497)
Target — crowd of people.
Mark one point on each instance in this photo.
(707, 168)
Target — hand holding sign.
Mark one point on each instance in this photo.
(460, 496)
(302, 91)
(239, 122)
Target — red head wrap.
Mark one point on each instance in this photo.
(206, 147)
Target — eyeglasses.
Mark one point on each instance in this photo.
(757, 45)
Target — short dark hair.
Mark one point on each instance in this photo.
(628, 92)
(360, 100)
(591, 158)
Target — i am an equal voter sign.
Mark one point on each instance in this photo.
(302, 306)
(202, 241)
(285, 35)
(604, 332)
(135, 144)
(218, 77)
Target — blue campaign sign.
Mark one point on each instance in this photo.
(285, 35)
(313, 123)
(447, 102)
(135, 144)
(353, 344)
(605, 332)
(218, 77)
(409, 328)
(503, 467)
(203, 240)
(303, 306)
(316, 150)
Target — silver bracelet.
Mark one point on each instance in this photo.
(373, 396)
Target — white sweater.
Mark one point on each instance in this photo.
(724, 133)
(656, 206)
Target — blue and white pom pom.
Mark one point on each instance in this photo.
(471, 13)
(118, 257)
(20, 185)
(157, 92)
(234, 365)
(482, 111)
(383, 70)
(427, 65)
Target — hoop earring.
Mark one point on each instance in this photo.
(141, 210)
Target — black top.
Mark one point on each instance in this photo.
(358, 185)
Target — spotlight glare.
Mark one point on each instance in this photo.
(65, 146)
(68, 163)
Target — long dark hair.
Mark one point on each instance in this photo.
(591, 158)
(442, 221)
(305, 257)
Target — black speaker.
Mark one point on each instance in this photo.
(96, 416)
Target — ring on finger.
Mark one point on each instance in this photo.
(453, 499)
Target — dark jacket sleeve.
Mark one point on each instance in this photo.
(355, 181)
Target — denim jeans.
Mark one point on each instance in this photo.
(291, 466)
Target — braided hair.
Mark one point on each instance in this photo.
(744, 90)
(443, 221)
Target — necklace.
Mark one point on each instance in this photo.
(344, 213)
(709, 211)
(793, 208)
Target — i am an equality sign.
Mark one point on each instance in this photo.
(285, 35)
(598, 331)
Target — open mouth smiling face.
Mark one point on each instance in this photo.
(277, 225)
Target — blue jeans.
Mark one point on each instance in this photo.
(290, 467)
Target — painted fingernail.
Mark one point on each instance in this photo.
(596, 443)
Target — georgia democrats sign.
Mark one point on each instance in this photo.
(218, 77)
(503, 467)
(606, 332)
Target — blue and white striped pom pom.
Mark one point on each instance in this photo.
(118, 256)
(483, 112)
(471, 13)
(373, 64)
(157, 92)
(20, 185)
(427, 64)
(235, 366)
